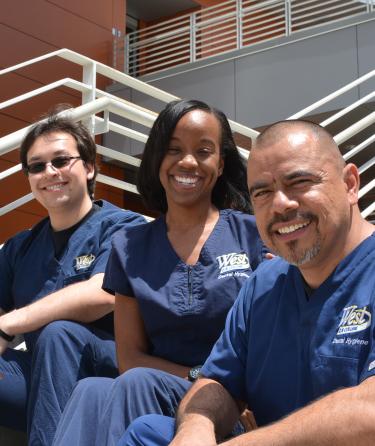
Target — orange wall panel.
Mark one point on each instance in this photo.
(58, 27)
(30, 29)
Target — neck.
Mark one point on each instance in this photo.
(63, 218)
(182, 218)
(316, 274)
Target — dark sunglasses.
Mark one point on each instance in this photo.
(58, 163)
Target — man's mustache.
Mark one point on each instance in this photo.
(290, 216)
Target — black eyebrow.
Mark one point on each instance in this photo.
(258, 185)
(58, 153)
(298, 174)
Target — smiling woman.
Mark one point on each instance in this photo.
(174, 279)
(192, 162)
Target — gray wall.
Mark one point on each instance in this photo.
(272, 84)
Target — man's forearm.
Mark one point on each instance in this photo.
(343, 418)
(207, 411)
(82, 302)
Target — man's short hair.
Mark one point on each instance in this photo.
(54, 123)
(273, 133)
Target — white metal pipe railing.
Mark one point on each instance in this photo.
(266, 20)
(294, 17)
(102, 69)
(363, 145)
(67, 82)
(16, 203)
(315, 6)
(348, 109)
(114, 154)
(355, 128)
(8, 172)
(120, 184)
(116, 76)
(365, 189)
(368, 211)
(151, 55)
(13, 140)
(366, 165)
(318, 17)
(334, 95)
(98, 101)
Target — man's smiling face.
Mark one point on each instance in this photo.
(58, 188)
(299, 195)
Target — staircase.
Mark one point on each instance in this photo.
(102, 111)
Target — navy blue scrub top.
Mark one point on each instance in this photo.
(184, 307)
(29, 269)
(281, 349)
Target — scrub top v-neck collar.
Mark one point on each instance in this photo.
(212, 239)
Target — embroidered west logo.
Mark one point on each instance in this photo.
(83, 262)
(354, 319)
(232, 262)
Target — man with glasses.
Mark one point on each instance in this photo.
(51, 282)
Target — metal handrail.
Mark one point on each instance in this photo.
(333, 95)
(350, 131)
(95, 101)
(294, 17)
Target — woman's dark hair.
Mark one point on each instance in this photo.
(51, 123)
(230, 190)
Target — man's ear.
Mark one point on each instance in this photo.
(351, 179)
(90, 169)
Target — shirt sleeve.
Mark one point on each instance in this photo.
(227, 360)
(116, 278)
(8, 255)
(127, 219)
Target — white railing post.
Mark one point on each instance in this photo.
(114, 48)
(89, 79)
(127, 54)
(239, 23)
(288, 18)
(193, 37)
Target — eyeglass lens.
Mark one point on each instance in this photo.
(58, 163)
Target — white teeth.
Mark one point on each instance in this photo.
(54, 187)
(292, 228)
(186, 180)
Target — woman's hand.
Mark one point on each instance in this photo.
(248, 421)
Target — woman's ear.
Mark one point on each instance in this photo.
(221, 166)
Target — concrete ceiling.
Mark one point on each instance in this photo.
(154, 9)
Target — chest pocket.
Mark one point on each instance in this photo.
(334, 372)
